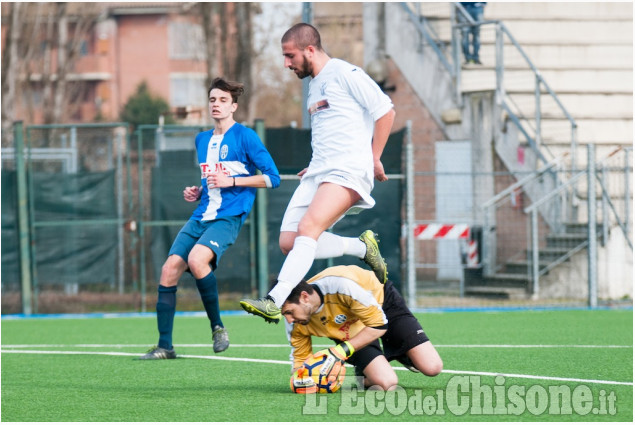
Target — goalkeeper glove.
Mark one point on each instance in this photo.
(302, 383)
(335, 357)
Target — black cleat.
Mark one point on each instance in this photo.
(158, 353)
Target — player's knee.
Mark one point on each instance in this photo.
(386, 383)
(286, 242)
(433, 368)
(285, 248)
(197, 267)
(169, 272)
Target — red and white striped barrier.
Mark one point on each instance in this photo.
(472, 254)
(442, 231)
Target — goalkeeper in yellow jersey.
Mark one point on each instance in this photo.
(350, 306)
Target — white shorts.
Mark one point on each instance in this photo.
(305, 192)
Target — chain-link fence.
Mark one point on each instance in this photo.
(64, 204)
(104, 206)
(89, 213)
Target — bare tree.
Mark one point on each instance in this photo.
(209, 17)
(10, 72)
(245, 53)
(38, 33)
(227, 28)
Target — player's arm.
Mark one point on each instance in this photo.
(221, 180)
(380, 137)
(366, 336)
(300, 381)
(362, 305)
(263, 161)
(365, 91)
(336, 356)
(302, 347)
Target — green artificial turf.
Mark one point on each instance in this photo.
(53, 383)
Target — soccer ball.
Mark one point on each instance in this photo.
(313, 366)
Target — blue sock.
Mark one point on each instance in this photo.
(209, 295)
(166, 307)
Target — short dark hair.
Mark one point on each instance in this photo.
(294, 296)
(303, 35)
(233, 87)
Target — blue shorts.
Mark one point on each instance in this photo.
(218, 235)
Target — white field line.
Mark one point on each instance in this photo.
(316, 345)
(287, 363)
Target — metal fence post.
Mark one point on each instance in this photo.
(573, 216)
(500, 65)
(627, 190)
(120, 204)
(410, 219)
(535, 254)
(141, 226)
(456, 55)
(538, 113)
(592, 228)
(261, 227)
(605, 208)
(23, 220)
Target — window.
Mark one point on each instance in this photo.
(186, 41)
(188, 89)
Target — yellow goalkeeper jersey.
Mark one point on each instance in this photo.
(353, 299)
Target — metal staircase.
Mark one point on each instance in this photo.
(552, 176)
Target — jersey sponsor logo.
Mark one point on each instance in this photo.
(214, 243)
(340, 318)
(345, 328)
(223, 152)
(207, 169)
(319, 106)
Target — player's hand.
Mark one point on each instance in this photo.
(219, 180)
(192, 193)
(380, 174)
(336, 356)
(302, 383)
(303, 172)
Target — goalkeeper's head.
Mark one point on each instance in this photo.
(300, 305)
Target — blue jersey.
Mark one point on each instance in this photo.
(238, 154)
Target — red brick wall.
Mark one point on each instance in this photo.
(425, 132)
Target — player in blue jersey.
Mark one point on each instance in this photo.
(351, 120)
(228, 156)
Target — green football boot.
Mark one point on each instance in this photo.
(263, 307)
(373, 257)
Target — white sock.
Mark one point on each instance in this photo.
(295, 267)
(330, 245)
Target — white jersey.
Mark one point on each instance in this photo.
(344, 103)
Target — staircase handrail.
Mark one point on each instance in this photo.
(510, 189)
(536, 72)
(555, 192)
(421, 27)
(606, 197)
(564, 186)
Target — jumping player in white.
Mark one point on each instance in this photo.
(228, 156)
(351, 119)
